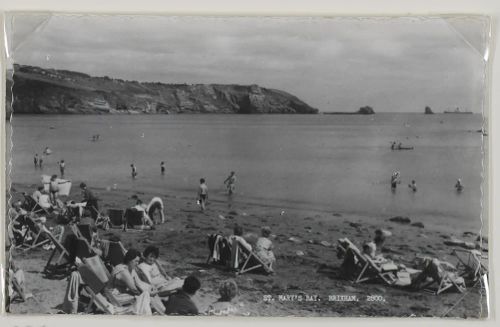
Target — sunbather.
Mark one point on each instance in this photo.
(126, 283)
(181, 303)
(152, 272)
(224, 305)
(264, 247)
(238, 236)
(146, 220)
(438, 271)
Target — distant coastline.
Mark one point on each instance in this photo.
(49, 91)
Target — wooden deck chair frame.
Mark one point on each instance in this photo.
(31, 225)
(444, 284)
(33, 206)
(64, 253)
(252, 260)
(17, 288)
(369, 269)
(469, 264)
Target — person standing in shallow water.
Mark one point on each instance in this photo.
(134, 171)
(62, 166)
(40, 161)
(395, 180)
(413, 186)
(35, 160)
(459, 186)
(162, 168)
(230, 183)
(202, 194)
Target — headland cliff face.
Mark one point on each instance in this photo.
(47, 91)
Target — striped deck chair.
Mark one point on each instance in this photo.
(52, 269)
(364, 268)
(250, 260)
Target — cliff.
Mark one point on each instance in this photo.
(38, 90)
(428, 111)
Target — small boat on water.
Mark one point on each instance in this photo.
(457, 111)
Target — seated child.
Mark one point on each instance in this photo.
(224, 305)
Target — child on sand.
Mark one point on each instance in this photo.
(202, 194)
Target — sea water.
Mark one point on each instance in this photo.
(337, 163)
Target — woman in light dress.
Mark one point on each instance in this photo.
(264, 247)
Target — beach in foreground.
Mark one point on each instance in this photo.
(304, 266)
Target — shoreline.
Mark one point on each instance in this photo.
(182, 243)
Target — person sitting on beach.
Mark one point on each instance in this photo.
(91, 200)
(202, 194)
(459, 186)
(141, 207)
(38, 192)
(370, 250)
(238, 236)
(230, 183)
(436, 270)
(126, 284)
(181, 303)
(44, 201)
(264, 247)
(151, 269)
(413, 186)
(156, 206)
(224, 306)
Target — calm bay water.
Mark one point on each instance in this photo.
(328, 162)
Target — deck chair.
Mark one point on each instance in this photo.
(368, 269)
(469, 265)
(436, 279)
(33, 230)
(113, 252)
(31, 205)
(250, 260)
(96, 277)
(18, 290)
(219, 250)
(116, 218)
(52, 269)
(133, 217)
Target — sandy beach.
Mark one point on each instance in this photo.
(306, 269)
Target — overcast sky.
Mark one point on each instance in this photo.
(333, 64)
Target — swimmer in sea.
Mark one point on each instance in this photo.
(134, 171)
(230, 183)
(459, 186)
(413, 186)
(395, 180)
(393, 145)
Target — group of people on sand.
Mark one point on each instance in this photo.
(396, 179)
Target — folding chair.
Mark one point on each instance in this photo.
(469, 265)
(95, 277)
(113, 252)
(368, 269)
(116, 218)
(251, 260)
(133, 217)
(53, 268)
(31, 205)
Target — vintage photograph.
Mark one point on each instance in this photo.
(247, 166)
